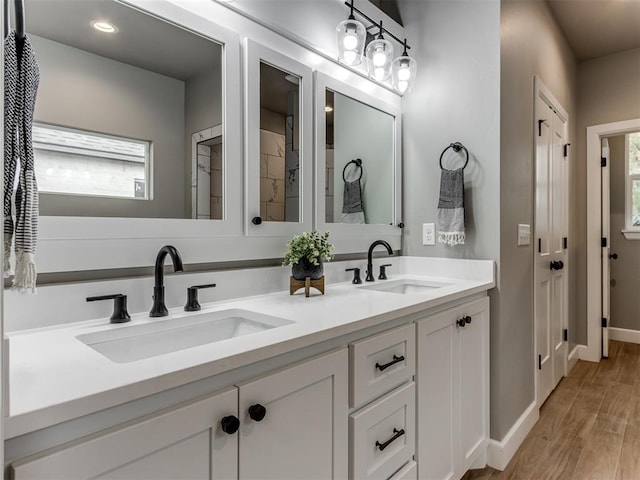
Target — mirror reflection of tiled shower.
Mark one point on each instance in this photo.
(208, 187)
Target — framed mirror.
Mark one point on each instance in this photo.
(358, 167)
(137, 121)
(279, 142)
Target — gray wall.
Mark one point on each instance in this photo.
(625, 271)
(361, 131)
(457, 98)
(202, 109)
(607, 92)
(550, 58)
(81, 90)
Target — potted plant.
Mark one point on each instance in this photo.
(305, 254)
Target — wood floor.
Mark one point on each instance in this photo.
(589, 427)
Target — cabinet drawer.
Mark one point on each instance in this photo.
(408, 472)
(380, 363)
(382, 435)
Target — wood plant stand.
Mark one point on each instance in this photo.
(307, 283)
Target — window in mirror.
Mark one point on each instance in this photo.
(359, 163)
(150, 80)
(72, 161)
(279, 145)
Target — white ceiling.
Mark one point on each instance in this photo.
(595, 28)
(142, 40)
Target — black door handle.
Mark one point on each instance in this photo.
(560, 265)
(230, 424)
(396, 434)
(613, 256)
(257, 412)
(395, 360)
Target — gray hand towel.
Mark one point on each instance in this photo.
(451, 207)
(22, 76)
(352, 211)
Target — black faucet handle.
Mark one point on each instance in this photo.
(356, 275)
(120, 314)
(383, 271)
(192, 297)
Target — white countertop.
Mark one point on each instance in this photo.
(51, 371)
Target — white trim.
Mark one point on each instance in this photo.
(574, 356)
(624, 335)
(500, 453)
(592, 352)
(631, 234)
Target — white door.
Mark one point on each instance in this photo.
(294, 422)
(606, 246)
(550, 258)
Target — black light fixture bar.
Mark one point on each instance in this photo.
(376, 24)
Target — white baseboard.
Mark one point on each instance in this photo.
(500, 453)
(574, 356)
(624, 335)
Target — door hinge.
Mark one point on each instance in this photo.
(565, 150)
(540, 122)
(539, 362)
(603, 242)
(565, 243)
(539, 245)
(603, 162)
(565, 335)
(604, 322)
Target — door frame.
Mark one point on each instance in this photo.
(595, 133)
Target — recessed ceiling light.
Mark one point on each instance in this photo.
(104, 27)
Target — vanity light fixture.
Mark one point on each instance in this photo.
(379, 57)
(403, 71)
(381, 65)
(350, 39)
(104, 27)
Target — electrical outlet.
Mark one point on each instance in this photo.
(428, 234)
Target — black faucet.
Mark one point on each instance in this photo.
(370, 277)
(159, 309)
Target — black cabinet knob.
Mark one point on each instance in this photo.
(256, 220)
(461, 322)
(467, 319)
(257, 412)
(230, 424)
(401, 225)
(613, 256)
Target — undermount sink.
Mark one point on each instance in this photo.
(405, 286)
(138, 342)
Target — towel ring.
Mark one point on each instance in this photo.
(457, 146)
(358, 163)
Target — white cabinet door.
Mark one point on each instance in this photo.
(474, 382)
(453, 390)
(436, 372)
(303, 429)
(186, 443)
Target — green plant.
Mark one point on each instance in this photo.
(313, 246)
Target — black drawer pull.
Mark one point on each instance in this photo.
(392, 362)
(396, 434)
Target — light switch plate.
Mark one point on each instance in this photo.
(428, 233)
(524, 234)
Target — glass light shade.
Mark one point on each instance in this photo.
(403, 74)
(350, 37)
(379, 57)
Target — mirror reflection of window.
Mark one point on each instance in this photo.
(280, 184)
(354, 131)
(143, 80)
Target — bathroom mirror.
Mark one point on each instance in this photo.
(358, 159)
(129, 113)
(279, 138)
